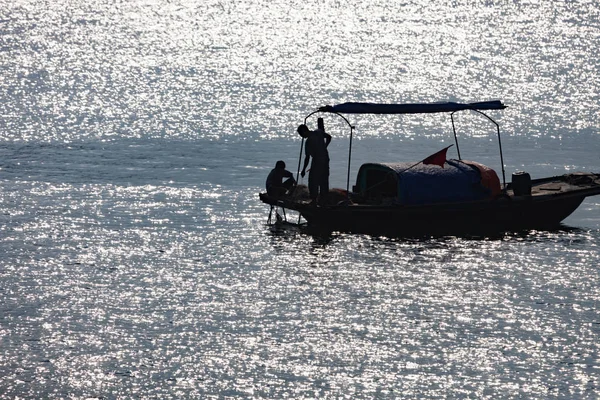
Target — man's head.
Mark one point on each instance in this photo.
(280, 165)
(303, 131)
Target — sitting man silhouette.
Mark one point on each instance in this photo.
(276, 187)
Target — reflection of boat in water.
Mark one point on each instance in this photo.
(439, 196)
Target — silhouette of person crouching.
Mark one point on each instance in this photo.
(275, 185)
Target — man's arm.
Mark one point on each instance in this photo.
(327, 138)
(306, 160)
(307, 147)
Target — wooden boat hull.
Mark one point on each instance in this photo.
(497, 216)
(552, 200)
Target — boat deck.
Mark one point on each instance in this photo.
(587, 184)
(576, 184)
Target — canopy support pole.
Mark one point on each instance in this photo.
(455, 137)
(499, 141)
(349, 160)
(299, 160)
(499, 145)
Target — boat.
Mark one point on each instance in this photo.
(436, 196)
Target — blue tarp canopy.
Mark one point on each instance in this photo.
(416, 108)
(407, 183)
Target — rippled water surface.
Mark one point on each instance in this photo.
(135, 259)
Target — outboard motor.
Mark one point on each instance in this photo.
(521, 183)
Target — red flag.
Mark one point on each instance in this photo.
(438, 158)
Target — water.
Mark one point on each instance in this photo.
(135, 260)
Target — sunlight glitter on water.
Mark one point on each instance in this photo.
(310, 316)
(215, 69)
(135, 257)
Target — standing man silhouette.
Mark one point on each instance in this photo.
(318, 177)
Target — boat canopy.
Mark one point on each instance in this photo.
(415, 108)
(410, 108)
